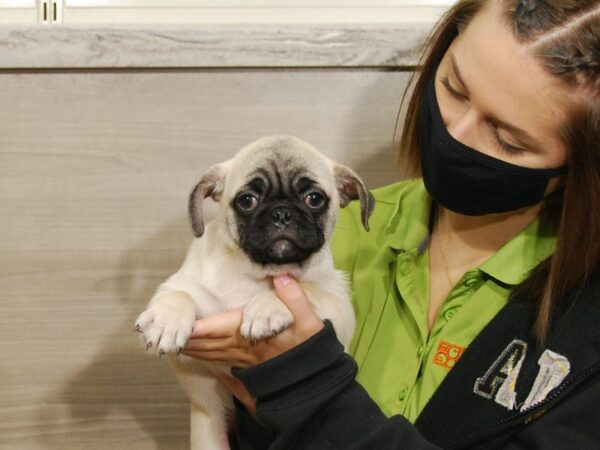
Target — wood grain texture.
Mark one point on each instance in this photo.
(212, 45)
(95, 171)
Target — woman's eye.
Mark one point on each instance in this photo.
(508, 148)
(247, 202)
(314, 200)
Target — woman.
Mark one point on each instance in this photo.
(477, 291)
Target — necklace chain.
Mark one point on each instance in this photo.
(444, 260)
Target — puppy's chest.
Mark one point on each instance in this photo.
(235, 293)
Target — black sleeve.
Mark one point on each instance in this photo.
(308, 398)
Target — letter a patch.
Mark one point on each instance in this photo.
(499, 382)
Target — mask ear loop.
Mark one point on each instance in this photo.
(553, 201)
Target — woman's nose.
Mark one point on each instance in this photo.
(464, 127)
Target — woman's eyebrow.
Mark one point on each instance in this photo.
(457, 73)
(521, 135)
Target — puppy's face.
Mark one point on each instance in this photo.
(282, 213)
(279, 199)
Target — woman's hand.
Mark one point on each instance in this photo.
(217, 338)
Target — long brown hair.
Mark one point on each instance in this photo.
(564, 35)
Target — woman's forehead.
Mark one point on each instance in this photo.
(506, 80)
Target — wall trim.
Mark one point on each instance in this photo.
(212, 46)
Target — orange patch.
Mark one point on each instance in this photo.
(447, 355)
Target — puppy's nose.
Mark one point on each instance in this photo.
(281, 217)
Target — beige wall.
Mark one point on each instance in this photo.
(95, 169)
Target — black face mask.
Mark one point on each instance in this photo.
(467, 181)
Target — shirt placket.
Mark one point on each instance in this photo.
(411, 278)
(437, 351)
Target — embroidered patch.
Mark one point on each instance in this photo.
(554, 368)
(447, 355)
(500, 380)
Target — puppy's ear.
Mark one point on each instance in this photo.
(210, 185)
(351, 187)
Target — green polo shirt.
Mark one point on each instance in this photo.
(400, 363)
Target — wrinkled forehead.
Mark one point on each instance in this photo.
(285, 171)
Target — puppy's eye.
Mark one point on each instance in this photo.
(314, 200)
(247, 202)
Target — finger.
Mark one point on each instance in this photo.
(216, 357)
(231, 357)
(220, 325)
(211, 344)
(291, 293)
(240, 392)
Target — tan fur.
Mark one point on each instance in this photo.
(217, 276)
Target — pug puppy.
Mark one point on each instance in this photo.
(279, 199)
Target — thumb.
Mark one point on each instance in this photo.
(293, 296)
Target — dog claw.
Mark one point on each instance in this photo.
(148, 345)
(137, 328)
(160, 354)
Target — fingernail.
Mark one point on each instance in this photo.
(283, 280)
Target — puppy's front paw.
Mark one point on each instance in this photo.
(264, 317)
(168, 323)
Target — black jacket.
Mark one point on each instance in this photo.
(307, 398)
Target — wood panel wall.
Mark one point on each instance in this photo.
(95, 170)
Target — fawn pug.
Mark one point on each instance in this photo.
(279, 199)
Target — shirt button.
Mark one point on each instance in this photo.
(402, 394)
(470, 282)
(420, 351)
(449, 314)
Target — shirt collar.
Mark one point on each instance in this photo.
(515, 260)
(408, 229)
